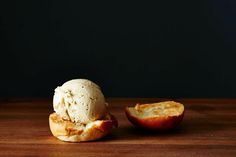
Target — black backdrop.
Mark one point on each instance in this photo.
(162, 49)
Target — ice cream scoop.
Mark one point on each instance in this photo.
(79, 100)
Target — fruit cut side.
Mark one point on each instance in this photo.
(157, 116)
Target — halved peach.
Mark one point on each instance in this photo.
(67, 130)
(156, 116)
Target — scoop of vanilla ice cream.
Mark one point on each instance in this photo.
(79, 100)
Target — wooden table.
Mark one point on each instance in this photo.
(208, 129)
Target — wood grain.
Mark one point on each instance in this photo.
(208, 129)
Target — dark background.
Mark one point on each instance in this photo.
(162, 49)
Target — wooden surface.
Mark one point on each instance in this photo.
(208, 129)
